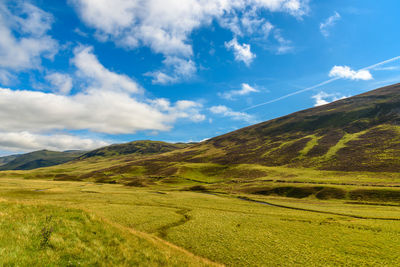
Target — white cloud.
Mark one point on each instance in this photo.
(246, 89)
(98, 76)
(61, 83)
(23, 38)
(250, 23)
(347, 73)
(329, 23)
(166, 25)
(227, 112)
(105, 105)
(285, 46)
(323, 98)
(25, 141)
(241, 52)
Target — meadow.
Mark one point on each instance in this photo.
(69, 223)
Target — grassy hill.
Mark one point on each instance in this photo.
(38, 159)
(360, 133)
(46, 158)
(144, 147)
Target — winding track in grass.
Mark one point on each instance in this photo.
(163, 231)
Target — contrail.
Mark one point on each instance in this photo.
(320, 84)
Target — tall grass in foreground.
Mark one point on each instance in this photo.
(43, 235)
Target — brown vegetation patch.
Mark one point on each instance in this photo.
(331, 193)
(377, 150)
(198, 188)
(320, 192)
(287, 153)
(375, 195)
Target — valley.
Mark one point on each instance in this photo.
(219, 228)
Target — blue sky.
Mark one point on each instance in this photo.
(80, 74)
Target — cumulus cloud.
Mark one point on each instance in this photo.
(323, 98)
(98, 76)
(166, 25)
(347, 73)
(23, 38)
(61, 83)
(26, 141)
(241, 52)
(105, 105)
(329, 23)
(227, 112)
(245, 90)
(258, 28)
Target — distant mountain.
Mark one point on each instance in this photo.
(145, 147)
(7, 159)
(38, 159)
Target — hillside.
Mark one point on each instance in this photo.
(360, 133)
(144, 147)
(38, 159)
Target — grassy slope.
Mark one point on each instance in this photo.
(222, 228)
(363, 130)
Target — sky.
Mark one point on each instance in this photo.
(81, 74)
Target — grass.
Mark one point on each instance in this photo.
(131, 225)
(47, 235)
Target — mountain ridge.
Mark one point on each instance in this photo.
(39, 159)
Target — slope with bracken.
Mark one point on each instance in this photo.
(360, 133)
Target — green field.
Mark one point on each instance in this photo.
(167, 224)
